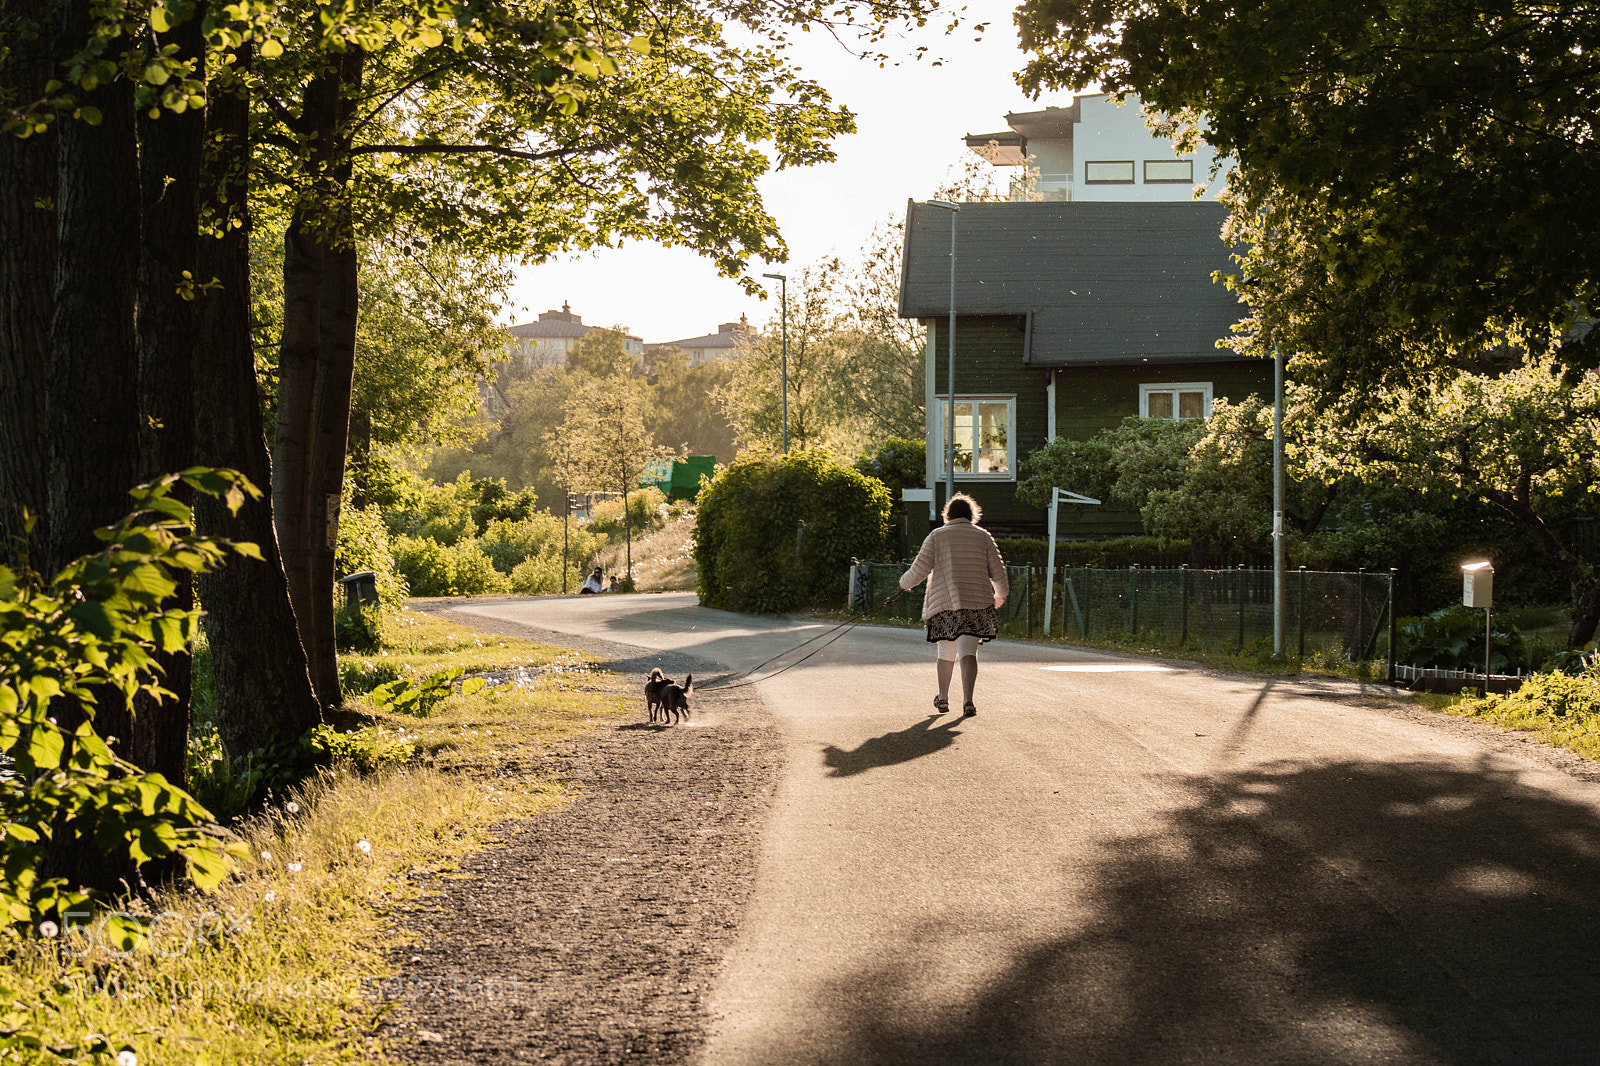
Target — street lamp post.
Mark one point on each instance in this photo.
(783, 300)
(950, 374)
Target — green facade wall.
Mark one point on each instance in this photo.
(989, 353)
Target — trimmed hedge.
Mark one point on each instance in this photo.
(778, 533)
(1114, 554)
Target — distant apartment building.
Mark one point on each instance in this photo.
(1096, 149)
(729, 340)
(548, 341)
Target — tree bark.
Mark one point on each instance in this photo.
(92, 422)
(27, 292)
(263, 689)
(171, 148)
(93, 379)
(335, 379)
(299, 355)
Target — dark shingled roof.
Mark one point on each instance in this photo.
(1098, 283)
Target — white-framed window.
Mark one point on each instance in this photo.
(991, 420)
(1108, 172)
(1169, 171)
(1180, 399)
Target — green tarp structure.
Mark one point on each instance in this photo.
(680, 479)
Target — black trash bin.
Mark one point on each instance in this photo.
(360, 589)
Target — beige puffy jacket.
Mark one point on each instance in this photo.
(962, 567)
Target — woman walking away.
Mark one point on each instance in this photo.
(966, 586)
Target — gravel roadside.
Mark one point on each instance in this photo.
(594, 934)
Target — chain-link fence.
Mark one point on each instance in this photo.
(872, 583)
(1328, 613)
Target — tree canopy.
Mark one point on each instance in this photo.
(1442, 154)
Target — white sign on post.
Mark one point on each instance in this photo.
(1477, 585)
(1058, 496)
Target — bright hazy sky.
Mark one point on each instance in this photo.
(910, 119)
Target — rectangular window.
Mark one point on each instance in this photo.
(984, 421)
(1184, 399)
(1169, 171)
(1108, 172)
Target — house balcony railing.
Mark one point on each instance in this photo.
(1049, 187)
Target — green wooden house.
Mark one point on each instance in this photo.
(1069, 317)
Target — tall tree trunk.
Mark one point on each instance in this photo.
(171, 147)
(263, 689)
(335, 378)
(93, 382)
(27, 289)
(336, 367)
(93, 404)
(299, 353)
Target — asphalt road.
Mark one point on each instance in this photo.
(1120, 861)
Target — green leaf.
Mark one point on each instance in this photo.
(90, 114)
(93, 617)
(160, 19)
(45, 745)
(22, 832)
(473, 685)
(271, 48)
(208, 866)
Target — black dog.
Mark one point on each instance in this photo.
(675, 700)
(653, 689)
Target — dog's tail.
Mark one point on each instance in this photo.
(657, 675)
(688, 684)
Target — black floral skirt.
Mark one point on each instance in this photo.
(980, 622)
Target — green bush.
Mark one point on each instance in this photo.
(1116, 553)
(472, 574)
(434, 569)
(647, 512)
(779, 533)
(425, 564)
(85, 640)
(900, 464)
(1452, 639)
(539, 537)
(542, 575)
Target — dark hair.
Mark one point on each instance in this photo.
(962, 506)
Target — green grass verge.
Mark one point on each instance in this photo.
(286, 962)
(1559, 709)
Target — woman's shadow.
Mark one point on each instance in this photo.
(903, 746)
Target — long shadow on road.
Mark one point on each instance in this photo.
(1359, 912)
(903, 745)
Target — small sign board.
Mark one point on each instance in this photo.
(1477, 585)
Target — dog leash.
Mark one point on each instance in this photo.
(832, 634)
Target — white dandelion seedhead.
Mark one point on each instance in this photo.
(295, 867)
(48, 928)
(270, 896)
(126, 1057)
(365, 846)
(266, 856)
(292, 807)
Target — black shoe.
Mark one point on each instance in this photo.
(969, 711)
(940, 705)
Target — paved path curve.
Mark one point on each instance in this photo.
(1133, 862)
